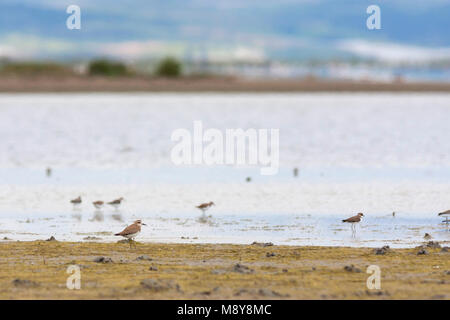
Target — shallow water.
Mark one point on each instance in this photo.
(375, 153)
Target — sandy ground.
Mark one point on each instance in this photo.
(201, 84)
(38, 270)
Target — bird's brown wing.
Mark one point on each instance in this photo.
(128, 230)
(203, 205)
(352, 219)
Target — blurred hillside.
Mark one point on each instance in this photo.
(272, 38)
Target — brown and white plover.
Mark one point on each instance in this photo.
(98, 204)
(353, 220)
(131, 231)
(116, 203)
(76, 202)
(205, 206)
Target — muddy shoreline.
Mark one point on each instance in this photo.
(38, 270)
(203, 84)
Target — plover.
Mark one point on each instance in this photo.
(116, 203)
(205, 206)
(446, 214)
(427, 236)
(76, 201)
(353, 220)
(131, 231)
(98, 204)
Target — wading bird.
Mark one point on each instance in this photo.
(76, 202)
(116, 203)
(98, 204)
(353, 220)
(205, 206)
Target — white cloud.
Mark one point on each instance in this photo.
(394, 53)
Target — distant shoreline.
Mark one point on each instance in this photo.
(30, 84)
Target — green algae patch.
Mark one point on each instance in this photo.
(38, 270)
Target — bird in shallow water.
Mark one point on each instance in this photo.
(205, 206)
(353, 220)
(98, 204)
(446, 214)
(116, 203)
(131, 231)
(76, 202)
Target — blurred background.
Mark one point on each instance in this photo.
(80, 115)
(321, 39)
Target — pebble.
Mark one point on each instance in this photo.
(103, 260)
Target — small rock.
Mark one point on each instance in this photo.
(242, 269)
(270, 293)
(103, 260)
(383, 250)
(262, 244)
(248, 179)
(52, 238)
(153, 269)
(285, 270)
(218, 271)
(270, 254)
(6, 238)
(159, 285)
(91, 238)
(241, 291)
(422, 251)
(123, 241)
(445, 249)
(24, 283)
(144, 257)
(377, 293)
(352, 268)
(433, 244)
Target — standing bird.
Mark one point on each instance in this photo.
(76, 202)
(427, 236)
(205, 206)
(446, 214)
(353, 220)
(131, 231)
(116, 203)
(98, 204)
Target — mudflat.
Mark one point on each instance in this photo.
(33, 83)
(38, 270)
